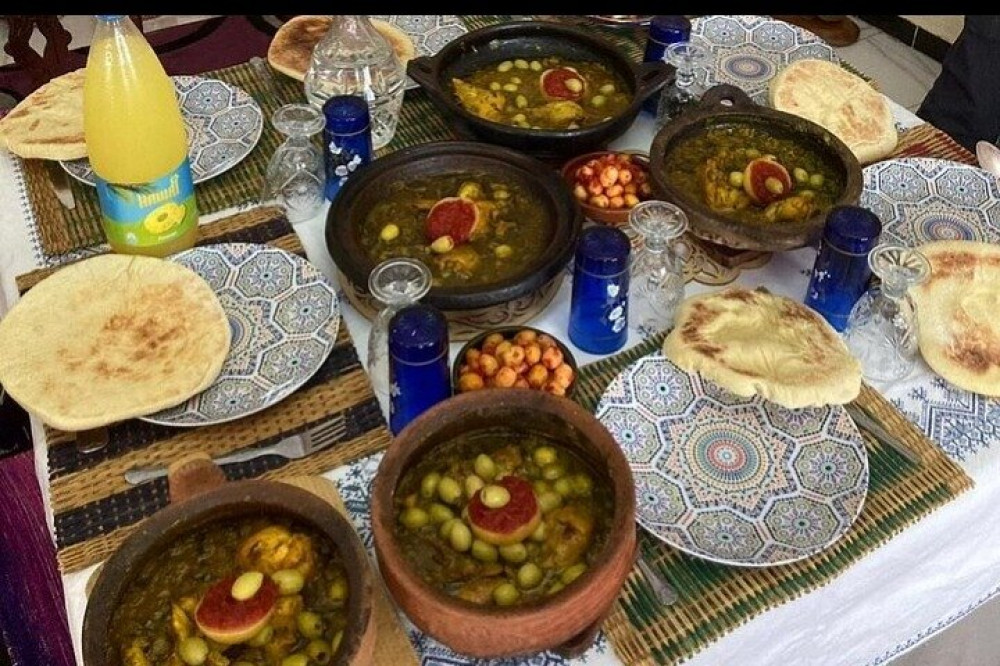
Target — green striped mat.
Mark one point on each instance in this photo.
(714, 598)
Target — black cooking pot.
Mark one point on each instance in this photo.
(535, 39)
(543, 184)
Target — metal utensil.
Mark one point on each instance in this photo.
(59, 182)
(866, 422)
(294, 447)
(662, 589)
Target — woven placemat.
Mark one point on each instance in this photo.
(928, 141)
(714, 598)
(95, 508)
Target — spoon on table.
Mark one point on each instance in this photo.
(988, 156)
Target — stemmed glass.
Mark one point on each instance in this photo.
(687, 89)
(658, 269)
(882, 328)
(395, 283)
(296, 174)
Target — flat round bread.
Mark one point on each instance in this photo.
(845, 104)
(290, 51)
(958, 314)
(48, 123)
(756, 343)
(110, 338)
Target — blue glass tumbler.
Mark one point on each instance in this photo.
(418, 363)
(841, 272)
(598, 315)
(347, 139)
(663, 31)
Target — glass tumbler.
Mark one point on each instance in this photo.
(395, 283)
(418, 363)
(658, 269)
(663, 31)
(882, 328)
(296, 176)
(598, 315)
(687, 89)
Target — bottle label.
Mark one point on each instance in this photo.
(148, 214)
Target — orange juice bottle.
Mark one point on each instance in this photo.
(137, 144)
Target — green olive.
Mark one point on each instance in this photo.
(439, 513)
(338, 590)
(774, 185)
(816, 180)
(297, 659)
(495, 497)
(335, 643)
(521, 101)
(485, 467)
(495, 85)
(193, 650)
(414, 518)
(503, 251)
(310, 624)
(752, 153)
(572, 573)
(470, 190)
(555, 587)
(449, 491)
(446, 527)
(289, 581)
(262, 637)
(319, 652)
(801, 175)
(539, 533)
(598, 100)
(483, 551)
(520, 118)
(541, 487)
(460, 537)
(505, 66)
(549, 501)
(529, 576)
(514, 553)
(505, 594)
(583, 485)
(472, 485)
(521, 63)
(563, 486)
(510, 87)
(553, 471)
(544, 455)
(807, 194)
(429, 484)
(736, 178)
(500, 194)
(607, 88)
(247, 585)
(535, 66)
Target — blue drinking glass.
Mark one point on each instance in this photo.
(598, 315)
(663, 31)
(418, 363)
(347, 139)
(841, 272)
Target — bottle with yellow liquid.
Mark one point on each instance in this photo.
(137, 144)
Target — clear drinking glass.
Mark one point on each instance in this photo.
(296, 174)
(395, 283)
(687, 89)
(882, 329)
(658, 269)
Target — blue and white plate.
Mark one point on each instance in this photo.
(429, 33)
(921, 199)
(734, 480)
(747, 51)
(284, 315)
(224, 124)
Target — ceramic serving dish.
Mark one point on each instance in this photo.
(617, 217)
(568, 620)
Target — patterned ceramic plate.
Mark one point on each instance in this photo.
(747, 51)
(920, 199)
(735, 480)
(429, 33)
(223, 122)
(284, 315)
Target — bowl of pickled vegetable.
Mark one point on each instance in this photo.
(608, 184)
(504, 522)
(251, 573)
(515, 357)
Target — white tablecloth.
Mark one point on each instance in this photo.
(920, 582)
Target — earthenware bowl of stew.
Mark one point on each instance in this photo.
(493, 225)
(504, 523)
(251, 572)
(545, 88)
(751, 177)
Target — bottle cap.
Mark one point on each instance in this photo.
(603, 251)
(418, 334)
(852, 229)
(670, 29)
(346, 114)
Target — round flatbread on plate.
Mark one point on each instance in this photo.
(48, 123)
(755, 343)
(957, 308)
(110, 338)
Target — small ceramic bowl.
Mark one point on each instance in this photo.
(509, 333)
(611, 216)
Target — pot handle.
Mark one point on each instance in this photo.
(725, 97)
(421, 70)
(650, 77)
(193, 475)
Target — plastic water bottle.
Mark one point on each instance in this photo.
(353, 58)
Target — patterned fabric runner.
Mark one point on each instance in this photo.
(95, 508)
(714, 598)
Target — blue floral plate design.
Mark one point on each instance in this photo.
(739, 481)
(922, 199)
(224, 124)
(747, 51)
(284, 315)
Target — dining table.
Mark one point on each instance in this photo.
(919, 580)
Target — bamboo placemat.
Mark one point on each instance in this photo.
(95, 508)
(714, 598)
